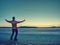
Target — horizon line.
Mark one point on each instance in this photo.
(31, 26)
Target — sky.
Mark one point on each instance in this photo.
(40, 13)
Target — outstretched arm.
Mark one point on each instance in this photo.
(7, 21)
(20, 21)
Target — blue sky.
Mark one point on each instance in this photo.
(39, 13)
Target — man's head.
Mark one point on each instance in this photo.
(13, 18)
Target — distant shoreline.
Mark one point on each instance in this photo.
(31, 27)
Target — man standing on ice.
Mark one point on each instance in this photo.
(14, 27)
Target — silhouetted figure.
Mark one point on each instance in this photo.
(14, 27)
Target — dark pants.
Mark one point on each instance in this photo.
(16, 33)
